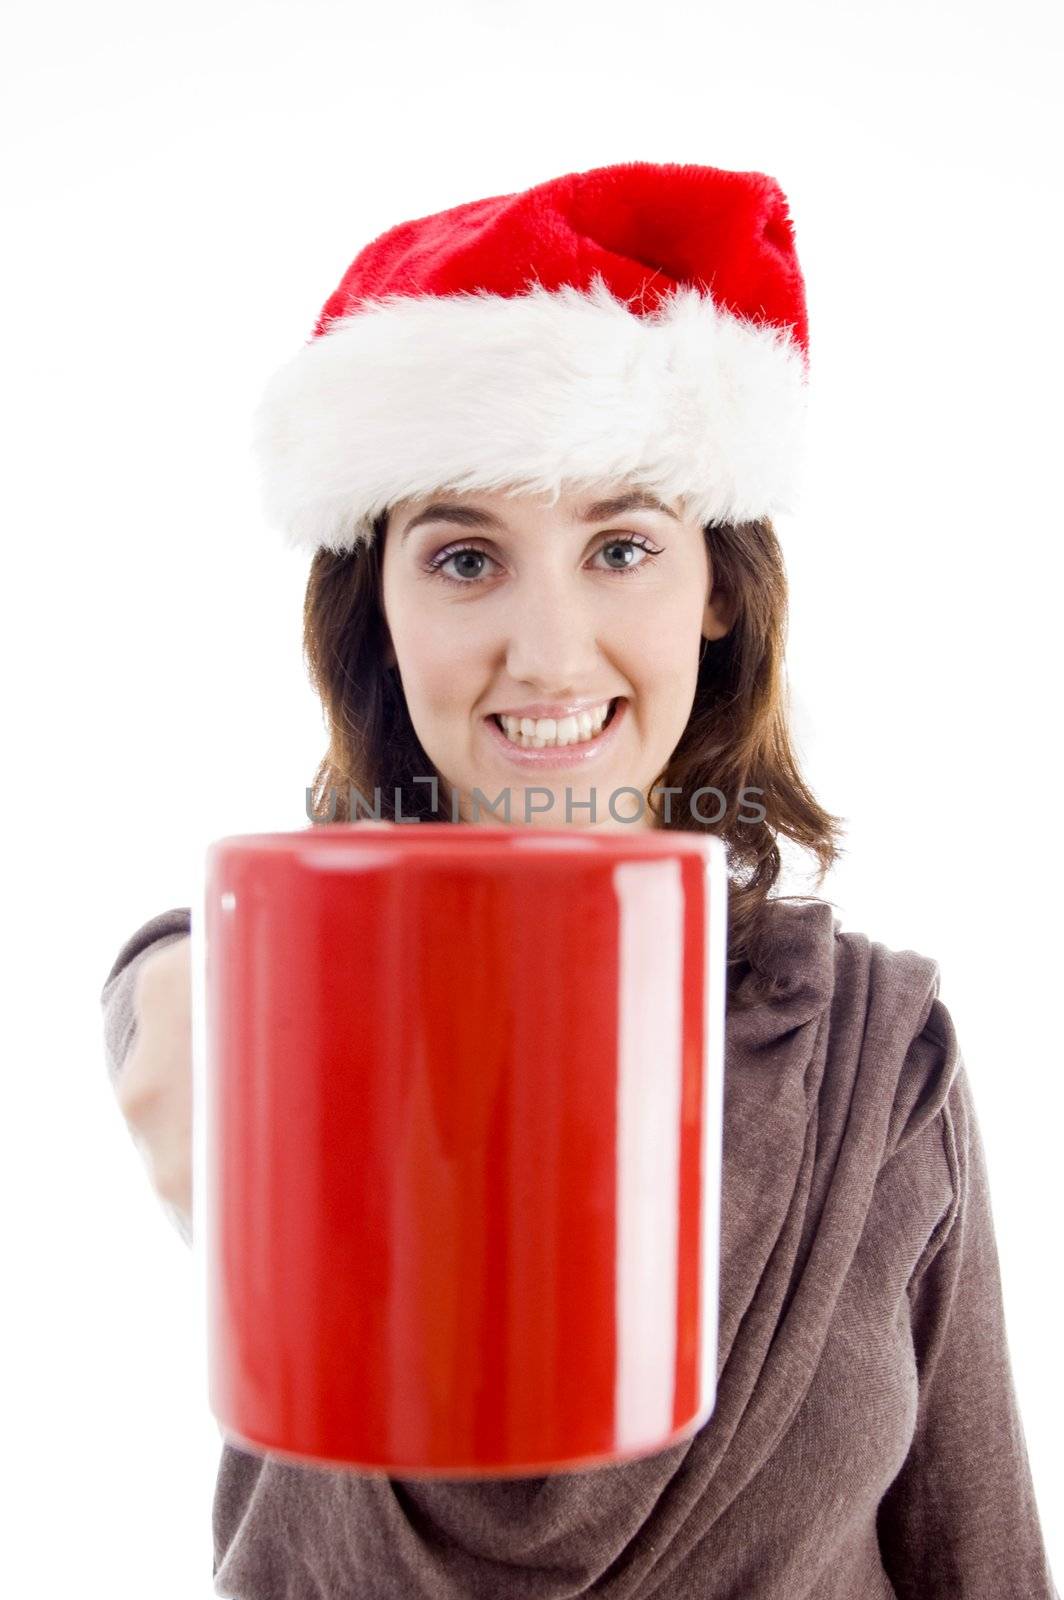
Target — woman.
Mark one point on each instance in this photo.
(535, 445)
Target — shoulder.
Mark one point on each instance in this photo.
(885, 1024)
(887, 1001)
(910, 1038)
(800, 947)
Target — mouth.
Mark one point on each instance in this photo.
(524, 743)
(530, 751)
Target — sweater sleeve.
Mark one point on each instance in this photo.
(961, 1518)
(116, 997)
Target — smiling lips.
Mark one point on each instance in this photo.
(538, 733)
(529, 750)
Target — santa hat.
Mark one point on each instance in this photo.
(639, 323)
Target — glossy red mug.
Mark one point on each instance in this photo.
(463, 1095)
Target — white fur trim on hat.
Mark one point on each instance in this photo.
(551, 389)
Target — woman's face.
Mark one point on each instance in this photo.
(501, 604)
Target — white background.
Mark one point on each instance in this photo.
(184, 188)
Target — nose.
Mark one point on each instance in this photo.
(552, 636)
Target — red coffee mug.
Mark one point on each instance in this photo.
(463, 1098)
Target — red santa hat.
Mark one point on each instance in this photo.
(641, 323)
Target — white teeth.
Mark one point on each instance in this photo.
(538, 733)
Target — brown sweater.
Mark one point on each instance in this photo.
(866, 1440)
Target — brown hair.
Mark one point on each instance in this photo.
(737, 737)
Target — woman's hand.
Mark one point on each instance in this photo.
(155, 1086)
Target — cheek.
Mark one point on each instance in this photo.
(436, 666)
(661, 662)
(662, 645)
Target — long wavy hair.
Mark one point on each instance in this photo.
(737, 739)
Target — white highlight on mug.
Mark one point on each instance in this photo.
(650, 1072)
(714, 1041)
(200, 1109)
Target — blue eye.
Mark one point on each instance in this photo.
(649, 552)
(437, 565)
(435, 568)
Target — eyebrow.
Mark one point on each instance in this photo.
(473, 517)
